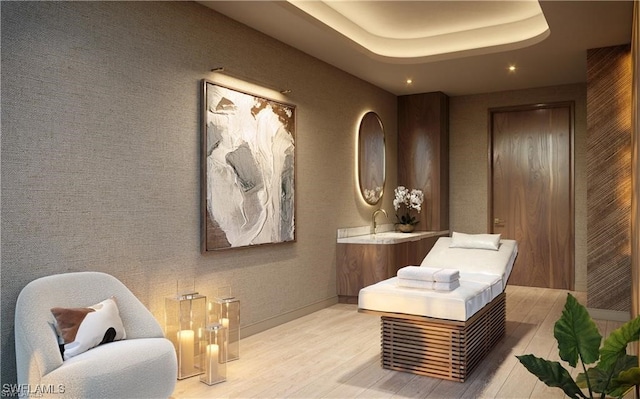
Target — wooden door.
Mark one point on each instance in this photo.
(532, 191)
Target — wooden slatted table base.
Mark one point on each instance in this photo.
(445, 349)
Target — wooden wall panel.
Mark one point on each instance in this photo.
(423, 154)
(609, 178)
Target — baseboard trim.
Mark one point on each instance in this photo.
(254, 328)
(612, 315)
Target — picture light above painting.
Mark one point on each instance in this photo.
(248, 169)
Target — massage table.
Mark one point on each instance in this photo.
(444, 334)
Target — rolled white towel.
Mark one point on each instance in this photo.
(446, 275)
(446, 286)
(409, 283)
(418, 273)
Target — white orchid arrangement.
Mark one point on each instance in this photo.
(407, 200)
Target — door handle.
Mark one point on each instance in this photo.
(498, 222)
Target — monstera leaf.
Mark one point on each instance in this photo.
(577, 335)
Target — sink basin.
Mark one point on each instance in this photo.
(389, 237)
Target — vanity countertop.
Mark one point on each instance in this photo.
(384, 237)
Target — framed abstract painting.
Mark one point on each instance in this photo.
(248, 169)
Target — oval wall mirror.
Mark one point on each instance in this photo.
(371, 158)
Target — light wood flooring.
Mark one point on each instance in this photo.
(335, 353)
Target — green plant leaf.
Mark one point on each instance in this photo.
(577, 334)
(598, 379)
(625, 381)
(552, 374)
(620, 385)
(602, 379)
(630, 376)
(616, 343)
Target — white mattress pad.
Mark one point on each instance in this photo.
(459, 304)
(483, 276)
(494, 282)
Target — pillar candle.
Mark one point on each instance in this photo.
(212, 362)
(185, 337)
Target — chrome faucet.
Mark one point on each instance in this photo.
(373, 218)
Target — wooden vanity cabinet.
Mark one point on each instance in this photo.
(360, 265)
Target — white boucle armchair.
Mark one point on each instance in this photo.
(141, 366)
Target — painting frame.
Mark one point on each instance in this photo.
(248, 169)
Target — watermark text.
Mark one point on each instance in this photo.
(32, 390)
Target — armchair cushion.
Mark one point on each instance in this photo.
(131, 368)
(81, 329)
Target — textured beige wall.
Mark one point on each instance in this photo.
(100, 155)
(469, 165)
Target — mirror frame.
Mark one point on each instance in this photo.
(371, 158)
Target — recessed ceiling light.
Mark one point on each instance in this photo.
(512, 68)
(409, 81)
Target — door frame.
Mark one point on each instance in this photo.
(572, 198)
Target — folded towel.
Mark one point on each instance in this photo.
(409, 283)
(418, 273)
(428, 285)
(446, 286)
(446, 275)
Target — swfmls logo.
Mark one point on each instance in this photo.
(25, 390)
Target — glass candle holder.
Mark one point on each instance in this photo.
(185, 321)
(226, 311)
(213, 355)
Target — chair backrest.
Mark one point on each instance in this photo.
(37, 351)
